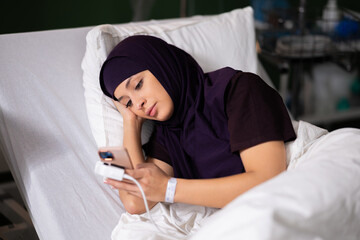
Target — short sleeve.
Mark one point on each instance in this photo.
(156, 150)
(256, 113)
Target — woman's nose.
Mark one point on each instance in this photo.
(140, 102)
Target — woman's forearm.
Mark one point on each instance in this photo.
(132, 142)
(216, 192)
(261, 163)
(220, 191)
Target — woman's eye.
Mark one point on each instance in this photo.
(128, 104)
(138, 86)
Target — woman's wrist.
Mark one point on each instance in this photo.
(133, 124)
(170, 190)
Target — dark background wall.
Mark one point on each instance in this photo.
(25, 15)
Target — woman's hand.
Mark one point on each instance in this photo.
(128, 115)
(152, 179)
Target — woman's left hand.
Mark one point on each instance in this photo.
(152, 179)
(128, 115)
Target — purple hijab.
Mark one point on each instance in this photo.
(196, 136)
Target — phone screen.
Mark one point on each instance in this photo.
(117, 156)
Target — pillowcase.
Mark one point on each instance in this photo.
(216, 41)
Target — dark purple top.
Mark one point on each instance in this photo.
(255, 114)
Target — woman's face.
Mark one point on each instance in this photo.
(144, 95)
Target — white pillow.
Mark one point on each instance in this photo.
(217, 41)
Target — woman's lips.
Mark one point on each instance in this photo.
(151, 111)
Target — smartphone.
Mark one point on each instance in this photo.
(116, 156)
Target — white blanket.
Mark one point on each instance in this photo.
(177, 221)
(318, 197)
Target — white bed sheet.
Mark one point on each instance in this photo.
(45, 135)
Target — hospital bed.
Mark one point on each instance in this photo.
(53, 117)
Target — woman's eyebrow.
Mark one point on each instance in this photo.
(128, 82)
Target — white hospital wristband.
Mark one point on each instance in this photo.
(170, 190)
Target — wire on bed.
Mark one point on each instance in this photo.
(145, 202)
(147, 207)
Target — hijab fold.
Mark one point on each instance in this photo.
(196, 135)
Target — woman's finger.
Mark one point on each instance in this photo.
(111, 181)
(136, 194)
(130, 187)
(119, 106)
(136, 173)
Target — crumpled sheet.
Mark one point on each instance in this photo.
(177, 221)
(297, 204)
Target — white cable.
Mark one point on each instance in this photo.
(147, 208)
(145, 202)
(117, 173)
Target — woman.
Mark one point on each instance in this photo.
(216, 134)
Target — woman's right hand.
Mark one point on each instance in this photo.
(128, 116)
